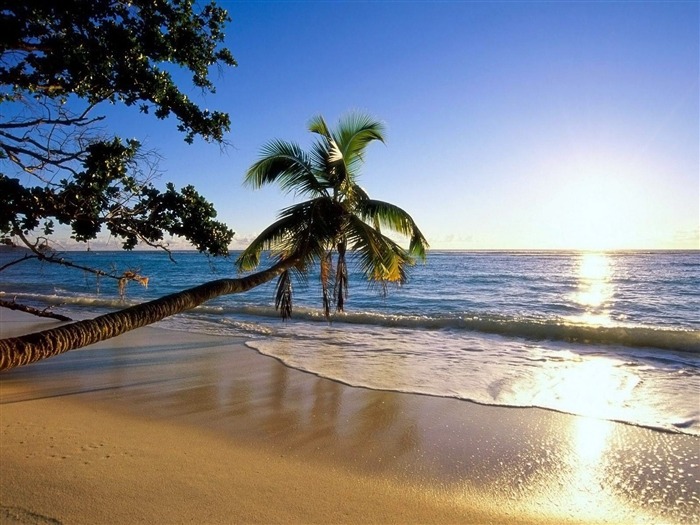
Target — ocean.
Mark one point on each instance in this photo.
(608, 335)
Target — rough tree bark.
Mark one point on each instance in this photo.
(26, 349)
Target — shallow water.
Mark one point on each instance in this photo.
(609, 335)
(519, 464)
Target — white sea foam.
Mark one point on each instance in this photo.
(537, 329)
(493, 369)
(614, 336)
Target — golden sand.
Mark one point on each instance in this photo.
(160, 426)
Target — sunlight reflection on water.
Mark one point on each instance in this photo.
(590, 439)
(593, 387)
(580, 486)
(594, 290)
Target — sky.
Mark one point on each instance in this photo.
(510, 125)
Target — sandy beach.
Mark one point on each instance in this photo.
(160, 426)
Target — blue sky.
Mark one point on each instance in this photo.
(510, 125)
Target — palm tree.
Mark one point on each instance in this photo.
(338, 215)
(335, 218)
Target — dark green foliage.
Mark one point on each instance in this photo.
(283, 295)
(59, 61)
(111, 50)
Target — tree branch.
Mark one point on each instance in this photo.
(43, 252)
(12, 305)
(12, 263)
(77, 121)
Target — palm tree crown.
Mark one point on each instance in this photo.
(338, 215)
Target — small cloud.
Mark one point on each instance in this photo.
(687, 238)
(241, 242)
(451, 241)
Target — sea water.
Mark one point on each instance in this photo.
(610, 335)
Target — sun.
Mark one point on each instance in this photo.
(597, 213)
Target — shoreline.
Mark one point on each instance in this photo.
(236, 436)
(471, 401)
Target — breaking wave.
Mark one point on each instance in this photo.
(537, 329)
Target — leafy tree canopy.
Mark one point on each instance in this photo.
(59, 62)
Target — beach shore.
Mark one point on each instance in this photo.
(159, 426)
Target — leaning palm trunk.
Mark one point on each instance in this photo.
(26, 349)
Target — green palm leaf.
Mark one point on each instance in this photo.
(327, 154)
(326, 271)
(317, 124)
(381, 259)
(354, 133)
(288, 165)
(305, 229)
(283, 295)
(274, 237)
(395, 218)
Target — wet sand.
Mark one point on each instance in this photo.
(159, 426)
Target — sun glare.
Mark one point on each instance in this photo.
(597, 206)
(590, 438)
(599, 217)
(594, 388)
(594, 290)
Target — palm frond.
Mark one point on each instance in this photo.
(360, 193)
(340, 287)
(354, 132)
(396, 219)
(306, 229)
(381, 259)
(327, 157)
(287, 164)
(326, 272)
(320, 222)
(283, 295)
(279, 237)
(317, 124)
(318, 155)
(338, 216)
